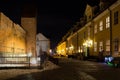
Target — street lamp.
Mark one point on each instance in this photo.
(88, 43)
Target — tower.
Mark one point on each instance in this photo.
(29, 23)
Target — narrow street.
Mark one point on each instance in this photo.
(81, 70)
(67, 69)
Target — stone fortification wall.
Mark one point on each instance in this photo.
(12, 37)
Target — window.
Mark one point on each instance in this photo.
(101, 6)
(108, 22)
(37, 44)
(95, 46)
(108, 45)
(100, 46)
(116, 18)
(89, 16)
(84, 35)
(80, 50)
(101, 25)
(95, 29)
(116, 45)
(88, 31)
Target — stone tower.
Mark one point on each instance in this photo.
(29, 23)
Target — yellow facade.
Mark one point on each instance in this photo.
(72, 42)
(102, 36)
(85, 35)
(101, 31)
(115, 29)
(61, 48)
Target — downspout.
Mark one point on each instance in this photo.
(110, 32)
(77, 43)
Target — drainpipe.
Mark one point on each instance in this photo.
(77, 42)
(110, 32)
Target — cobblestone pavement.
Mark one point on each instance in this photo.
(25, 74)
(67, 69)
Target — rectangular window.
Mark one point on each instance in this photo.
(116, 45)
(95, 46)
(108, 45)
(88, 31)
(100, 46)
(95, 29)
(108, 22)
(116, 18)
(101, 25)
(84, 35)
(80, 50)
(89, 17)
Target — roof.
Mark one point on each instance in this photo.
(40, 36)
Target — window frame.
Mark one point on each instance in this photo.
(101, 26)
(107, 22)
(95, 29)
(108, 45)
(116, 17)
(95, 46)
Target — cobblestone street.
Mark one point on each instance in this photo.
(68, 69)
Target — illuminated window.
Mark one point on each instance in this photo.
(95, 46)
(80, 50)
(116, 17)
(108, 45)
(100, 46)
(95, 28)
(108, 22)
(101, 25)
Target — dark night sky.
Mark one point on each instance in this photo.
(55, 17)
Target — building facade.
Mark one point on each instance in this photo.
(29, 23)
(42, 44)
(18, 42)
(12, 38)
(13, 43)
(99, 30)
(61, 48)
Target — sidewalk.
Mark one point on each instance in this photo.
(25, 73)
(47, 65)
